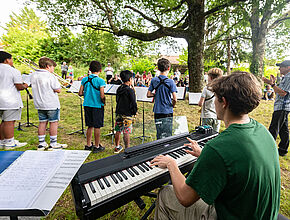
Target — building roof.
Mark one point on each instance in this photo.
(172, 59)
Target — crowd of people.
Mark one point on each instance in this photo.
(236, 175)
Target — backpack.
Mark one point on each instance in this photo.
(162, 81)
(90, 81)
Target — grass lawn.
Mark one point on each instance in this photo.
(70, 121)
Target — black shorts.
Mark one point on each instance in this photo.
(94, 117)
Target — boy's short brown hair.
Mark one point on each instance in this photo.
(45, 62)
(241, 90)
(215, 73)
(163, 64)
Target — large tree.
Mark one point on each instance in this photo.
(260, 14)
(146, 20)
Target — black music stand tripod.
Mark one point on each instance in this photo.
(112, 133)
(82, 130)
(28, 123)
(143, 137)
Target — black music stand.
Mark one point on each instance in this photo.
(143, 136)
(27, 123)
(82, 130)
(111, 89)
(112, 133)
(141, 95)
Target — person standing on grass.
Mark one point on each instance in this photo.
(237, 173)
(279, 123)
(45, 89)
(10, 101)
(126, 108)
(64, 69)
(206, 102)
(92, 88)
(163, 104)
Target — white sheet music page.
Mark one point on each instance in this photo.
(61, 179)
(37, 179)
(25, 178)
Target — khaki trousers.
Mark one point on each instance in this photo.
(168, 207)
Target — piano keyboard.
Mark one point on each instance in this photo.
(128, 174)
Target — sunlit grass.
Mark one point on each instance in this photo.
(70, 121)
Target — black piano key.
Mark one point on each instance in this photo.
(141, 168)
(114, 178)
(92, 187)
(119, 177)
(148, 165)
(100, 184)
(134, 170)
(106, 182)
(180, 152)
(130, 172)
(144, 166)
(175, 154)
(172, 155)
(123, 175)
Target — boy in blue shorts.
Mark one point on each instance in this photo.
(92, 87)
(125, 109)
(45, 89)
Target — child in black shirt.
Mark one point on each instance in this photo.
(125, 109)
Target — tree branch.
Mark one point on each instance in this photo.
(174, 8)
(213, 10)
(280, 20)
(177, 23)
(158, 24)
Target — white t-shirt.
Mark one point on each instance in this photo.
(10, 97)
(43, 84)
(109, 71)
(208, 108)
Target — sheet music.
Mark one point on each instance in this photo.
(180, 95)
(23, 180)
(75, 87)
(194, 98)
(61, 179)
(141, 94)
(111, 89)
(37, 179)
(26, 78)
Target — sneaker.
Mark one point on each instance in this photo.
(98, 149)
(2, 145)
(88, 147)
(118, 149)
(42, 147)
(10, 145)
(19, 144)
(57, 146)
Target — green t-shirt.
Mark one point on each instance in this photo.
(238, 172)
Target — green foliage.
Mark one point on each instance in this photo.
(24, 32)
(142, 64)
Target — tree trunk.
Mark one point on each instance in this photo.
(259, 32)
(229, 54)
(195, 40)
(258, 42)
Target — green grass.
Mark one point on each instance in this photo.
(70, 121)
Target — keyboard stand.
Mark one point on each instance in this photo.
(152, 207)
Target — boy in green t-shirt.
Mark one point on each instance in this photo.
(237, 174)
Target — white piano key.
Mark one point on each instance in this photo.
(90, 194)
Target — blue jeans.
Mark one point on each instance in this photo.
(49, 115)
